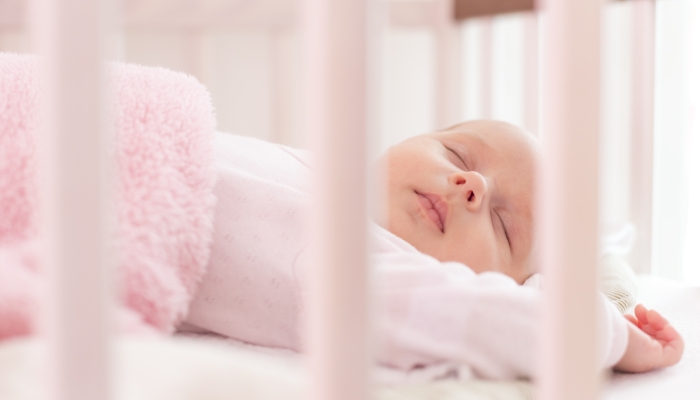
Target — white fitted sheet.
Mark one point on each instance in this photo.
(187, 369)
(172, 368)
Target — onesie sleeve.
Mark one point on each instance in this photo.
(432, 312)
(614, 334)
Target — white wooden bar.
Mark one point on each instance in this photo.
(642, 128)
(531, 73)
(486, 67)
(68, 35)
(336, 84)
(193, 40)
(569, 205)
(448, 66)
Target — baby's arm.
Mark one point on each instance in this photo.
(443, 312)
(653, 342)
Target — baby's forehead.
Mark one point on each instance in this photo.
(491, 132)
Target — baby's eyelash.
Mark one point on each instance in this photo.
(504, 229)
(458, 156)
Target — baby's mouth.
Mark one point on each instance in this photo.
(435, 208)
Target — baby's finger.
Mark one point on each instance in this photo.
(641, 312)
(631, 318)
(668, 334)
(673, 350)
(656, 320)
(649, 330)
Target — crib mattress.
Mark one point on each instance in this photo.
(188, 369)
(185, 368)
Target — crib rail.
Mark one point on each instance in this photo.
(335, 36)
(642, 128)
(68, 34)
(477, 8)
(569, 200)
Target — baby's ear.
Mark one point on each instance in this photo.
(617, 281)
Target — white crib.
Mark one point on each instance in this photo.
(561, 66)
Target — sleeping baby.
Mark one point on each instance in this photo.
(449, 258)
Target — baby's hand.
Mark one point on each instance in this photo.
(653, 342)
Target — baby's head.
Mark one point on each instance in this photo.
(466, 194)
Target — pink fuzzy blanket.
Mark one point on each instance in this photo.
(164, 124)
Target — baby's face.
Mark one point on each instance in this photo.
(466, 195)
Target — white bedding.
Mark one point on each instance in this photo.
(161, 369)
(184, 369)
(392, 384)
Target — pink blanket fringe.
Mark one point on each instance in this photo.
(164, 123)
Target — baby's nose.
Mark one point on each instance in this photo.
(473, 186)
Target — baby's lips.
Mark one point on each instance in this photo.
(430, 205)
(440, 206)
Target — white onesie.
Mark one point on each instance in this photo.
(429, 312)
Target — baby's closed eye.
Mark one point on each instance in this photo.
(456, 158)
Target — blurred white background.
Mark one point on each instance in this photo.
(248, 53)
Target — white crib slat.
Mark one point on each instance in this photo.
(569, 207)
(448, 66)
(336, 85)
(642, 128)
(68, 35)
(531, 73)
(486, 67)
